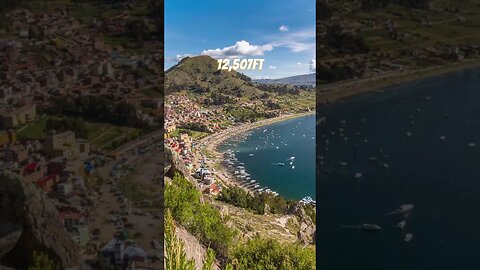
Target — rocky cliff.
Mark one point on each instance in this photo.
(29, 222)
(174, 164)
(306, 234)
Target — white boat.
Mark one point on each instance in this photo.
(402, 209)
(250, 155)
(408, 237)
(293, 167)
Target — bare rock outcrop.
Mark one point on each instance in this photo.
(174, 164)
(29, 222)
(307, 232)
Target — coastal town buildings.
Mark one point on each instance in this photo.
(13, 117)
(65, 145)
(48, 55)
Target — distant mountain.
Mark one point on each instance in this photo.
(307, 79)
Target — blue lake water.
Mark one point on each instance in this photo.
(428, 134)
(275, 144)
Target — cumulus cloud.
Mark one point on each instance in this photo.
(283, 28)
(240, 49)
(313, 65)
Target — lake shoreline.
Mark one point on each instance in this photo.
(340, 91)
(210, 145)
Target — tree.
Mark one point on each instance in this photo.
(261, 253)
(345, 42)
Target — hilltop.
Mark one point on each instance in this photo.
(200, 74)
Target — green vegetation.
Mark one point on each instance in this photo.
(335, 73)
(196, 135)
(256, 202)
(175, 256)
(209, 260)
(101, 135)
(267, 254)
(206, 223)
(345, 42)
(77, 125)
(203, 220)
(153, 92)
(97, 109)
(41, 261)
(247, 114)
(199, 127)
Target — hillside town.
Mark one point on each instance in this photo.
(78, 161)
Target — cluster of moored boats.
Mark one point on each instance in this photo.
(243, 178)
(308, 200)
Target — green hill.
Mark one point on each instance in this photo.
(200, 74)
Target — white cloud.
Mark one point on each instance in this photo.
(283, 28)
(181, 56)
(272, 67)
(313, 65)
(241, 48)
(296, 41)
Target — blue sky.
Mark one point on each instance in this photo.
(280, 31)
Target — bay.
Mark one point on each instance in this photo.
(262, 149)
(428, 134)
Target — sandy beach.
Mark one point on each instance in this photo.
(210, 143)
